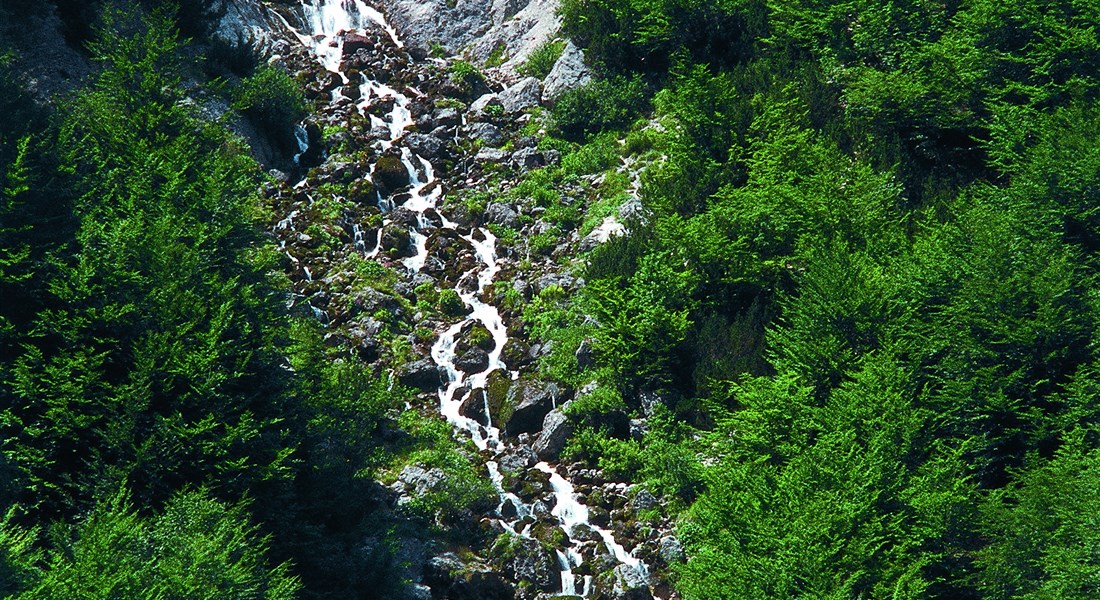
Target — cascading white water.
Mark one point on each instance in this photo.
(327, 21)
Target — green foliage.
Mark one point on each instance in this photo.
(450, 303)
(541, 60)
(644, 34)
(197, 548)
(463, 487)
(270, 98)
(599, 106)
(1043, 544)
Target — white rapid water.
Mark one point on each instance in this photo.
(326, 22)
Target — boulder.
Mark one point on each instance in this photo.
(491, 155)
(533, 563)
(427, 146)
(481, 105)
(475, 360)
(489, 134)
(569, 73)
(629, 584)
(420, 481)
(556, 429)
(422, 374)
(395, 239)
(644, 500)
(446, 117)
(529, 158)
(521, 96)
(353, 42)
(390, 174)
(531, 401)
(450, 577)
(501, 214)
(671, 550)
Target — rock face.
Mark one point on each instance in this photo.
(248, 24)
(556, 429)
(568, 73)
(422, 374)
(512, 28)
(534, 564)
(531, 401)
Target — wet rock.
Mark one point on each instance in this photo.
(671, 550)
(523, 95)
(390, 174)
(556, 429)
(533, 563)
(582, 532)
(518, 459)
(422, 374)
(475, 360)
(353, 42)
(569, 73)
(396, 240)
(473, 406)
(501, 214)
(487, 133)
(531, 401)
(629, 584)
(427, 146)
(450, 577)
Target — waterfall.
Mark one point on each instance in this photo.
(326, 22)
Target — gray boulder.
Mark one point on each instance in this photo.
(521, 96)
(534, 564)
(531, 401)
(488, 133)
(629, 584)
(422, 374)
(556, 429)
(501, 214)
(671, 550)
(430, 147)
(569, 73)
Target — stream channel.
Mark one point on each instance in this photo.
(322, 27)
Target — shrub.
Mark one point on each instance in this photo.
(599, 106)
(270, 98)
(541, 60)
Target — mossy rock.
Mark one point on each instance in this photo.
(390, 174)
(362, 191)
(498, 385)
(480, 337)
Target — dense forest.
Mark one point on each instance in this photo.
(169, 429)
(865, 293)
(858, 309)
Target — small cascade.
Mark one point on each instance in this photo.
(327, 23)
